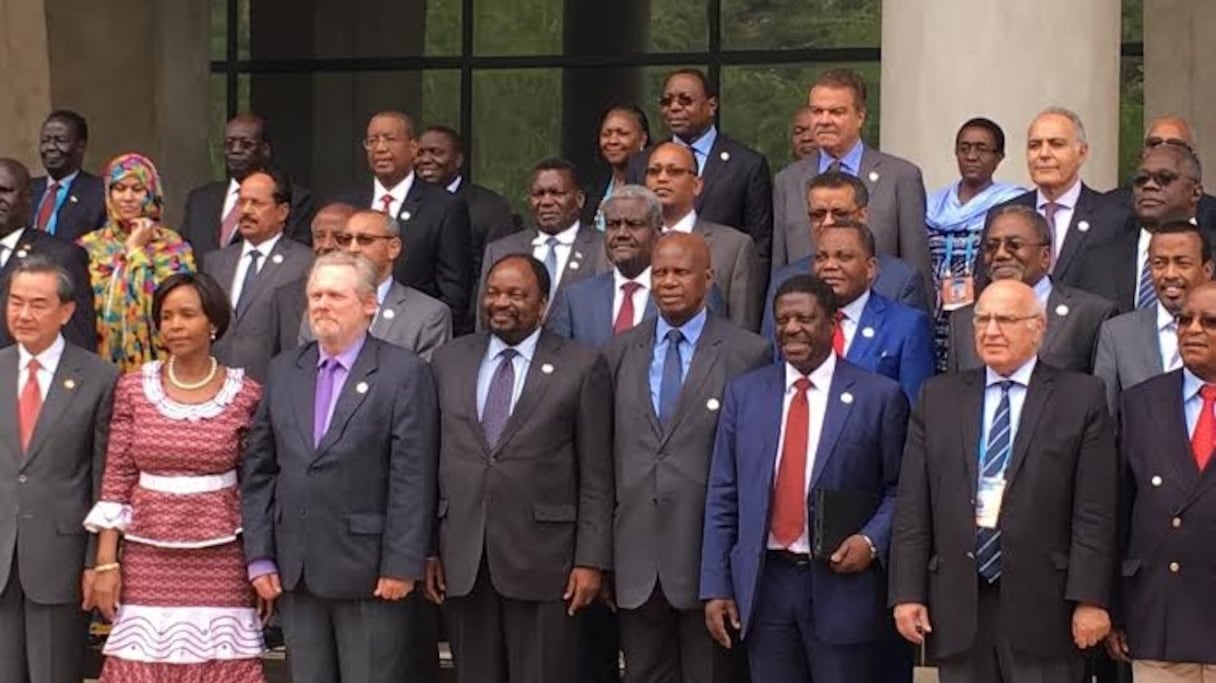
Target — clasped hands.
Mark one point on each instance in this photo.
(583, 586)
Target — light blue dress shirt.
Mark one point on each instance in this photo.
(850, 163)
(701, 147)
(525, 350)
(1192, 402)
(692, 333)
(1017, 398)
(61, 194)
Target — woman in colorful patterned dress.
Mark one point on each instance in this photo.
(128, 257)
(178, 593)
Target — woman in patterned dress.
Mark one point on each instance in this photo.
(178, 593)
(128, 257)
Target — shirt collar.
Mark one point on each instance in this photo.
(233, 187)
(691, 329)
(10, 240)
(1021, 376)
(48, 359)
(703, 144)
(642, 279)
(1068, 200)
(854, 310)
(1165, 319)
(64, 182)
(564, 238)
(526, 348)
(1191, 384)
(265, 247)
(398, 192)
(1042, 289)
(821, 377)
(850, 162)
(382, 290)
(346, 358)
(455, 184)
(685, 224)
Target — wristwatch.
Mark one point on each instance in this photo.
(873, 548)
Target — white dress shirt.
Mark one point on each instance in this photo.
(1142, 263)
(1167, 339)
(8, 245)
(1067, 206)
(525, 350)
(817, 401)
(398, 194)
(851, 317)
(455, 184)
(242, 266)
(640, 295)
(48, 362)
(565, 245)
(1017, 397)
(231, 197)
(685, 224)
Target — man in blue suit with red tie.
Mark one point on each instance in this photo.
(813, 424)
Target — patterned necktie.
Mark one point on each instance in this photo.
(497, 409)
(673, 377)
(30, 404)
(1049, 213)
(789, 491)
(323, 399)
(1146, 294)
(228, 226)
(624, 316)
(838, 334)
(1204, 438)
(386, 204)
(251, 275)
(49, 199)
(992, 464)
(551, 264)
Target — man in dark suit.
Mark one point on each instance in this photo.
(836, 196)
(1176, 132)
(896, 191)
(18, 242)
(737, 184)
(289, 305)
(338, 485)
(1167, 185)
(1003, 550)
(669, 376)
(213, 210)
(805, 607)
(251, 270)
(76, 203)
(1015, 246)
(570, 250)
(1136, 346)
(55, 413)
(434, 225)
(1167, 609)
(439, 161)
(525, 486)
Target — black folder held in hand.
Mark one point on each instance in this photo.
(838, 515)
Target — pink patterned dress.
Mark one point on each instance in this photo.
(186, 610)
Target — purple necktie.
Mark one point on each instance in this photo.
(497, 409)
(324, 398)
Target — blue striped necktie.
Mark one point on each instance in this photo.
(992, 464)
(1146, 294)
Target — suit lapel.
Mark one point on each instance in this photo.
(705, 356)
(390, 313)
(304, 395)
(580, 251)
(1057, 302)
(536, 382)
(871, 319)
(641, 354)
(715, 166)
(9, 438)
(410, 205)
(270, 269)
(1149, 352)
(64, 384)
(971, 413)
(1176, 452)
(1038, 394)
(1078, 229)
(225, 269)
(354, 391)
(835, 415)
(868, 172)
(470, 372)
(602, 303)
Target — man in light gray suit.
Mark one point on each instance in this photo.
(55, 401)
(663, 443)
(525, 486)
(251, 270)
(338, 485)
(671, 173)
(1016, 245)
(897, 191)
(1142, 344)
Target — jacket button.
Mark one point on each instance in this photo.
(1177, 522)
(970, 555)
(1174, 567)
(21, 478)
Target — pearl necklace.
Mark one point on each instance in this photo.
(192, 385)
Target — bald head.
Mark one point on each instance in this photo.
(680, 276)
(328, 222)
(14, 195)
(1169, 130)
(1009, 325)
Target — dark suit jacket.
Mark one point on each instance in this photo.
(737, 272)
(490, 218)
(1169, 513)
(360, 506)
(662, 473)
(288, 309)
(1112, 270)
(1057, 520)
(898, 344)
(1205, 213)
(435, 237)
(1129, 352)
(540, 502)
(205, 209)
(1074, 319)
(737, 191)
(859, 450)
(81, 329)
(82, 212)
(250, 340)
(48, 491)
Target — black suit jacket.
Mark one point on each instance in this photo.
(204, 214)
(1057, 520)
(490, 218)
(81, 329)
(435, 237)
(82, 212)
(1205, 213)
(288, 307)
(737, 191)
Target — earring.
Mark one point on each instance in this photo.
(212, 334)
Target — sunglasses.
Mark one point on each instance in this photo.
(345, 238)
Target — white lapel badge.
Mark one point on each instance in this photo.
(69, 384)
(1083, 226)
(712, 404)
(846, 398)
(725, 156)
(873, 176)
(547, 369)
(573, 265)
(389, 314)
(1156, 480)
(405, 215)
(21, 253)
(361, 387)
(867, 332)
(277, 258)
(1062, 310)
(73, 199)
(578, 255)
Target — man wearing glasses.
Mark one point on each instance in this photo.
(1172, 131)
(1016, 246)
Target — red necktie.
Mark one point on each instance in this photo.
(29, 404)
(789, 493)
(838, 335)
(49, 198)
(624, 317)
(228, 226)
(1204, 438)
(386, 204)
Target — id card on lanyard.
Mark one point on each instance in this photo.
(957, 290)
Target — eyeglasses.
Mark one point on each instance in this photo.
(388, 140)
(345, 238)
(1157, 141)
(684, 99)
(978, 148)
(821, 215)
(1207, 322)
(1161, 178)
(1003, 322)
(671, 171)
(1011, 244)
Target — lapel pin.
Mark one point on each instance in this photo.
(69, 384)
(712, 404)
(277, 258)
(578, 255)
(389, 314)
(1062, 310)
(725, 156)
(73, 199)
(405, 215)
(547, 369)
(21, 253)
(867, 332)
(1156, 480)
(873, 176)
(846, 398)
(1083, 226)
(361, 387)
(573, 265)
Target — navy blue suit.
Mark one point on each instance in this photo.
(896, 280)
(859, 449)
(82, 211)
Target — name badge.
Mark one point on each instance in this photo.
(988, 501)
(957, 291)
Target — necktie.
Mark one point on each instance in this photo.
(673, 377)
(624, 317)
(229, 224)
(49, 199)
(789, 492)
(551, 264)
(835, 167)
(497, 409)
(1204, 438)
(251, 274)
(1049, 213)
(992, 464)
(30, 404)
(838, 334)
(386, 204)
(1146, 294)
(323, 399)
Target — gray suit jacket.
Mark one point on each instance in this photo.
(1070, 342)
(409, 319)
(251, 339)
(1129, 352)
(736, 271)
(661, 473)
(896, 208)
(360, 505)
(539, 502)
(48, 491)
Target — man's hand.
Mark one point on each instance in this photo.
(435, 587)
(1090, 625)
(268, 587)
(581, 588)
(912, 620)
(86, 590)
(393, 589)
(265, 610)
(719, 612)
(852, 557)
(1116, 646)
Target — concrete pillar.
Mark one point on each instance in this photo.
(24, 79)
(945, 61)
(1178, 54)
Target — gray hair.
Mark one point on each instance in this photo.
(391, 226)
(364, 270)
(654, 207)
(38, 264)
(1068, 114)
